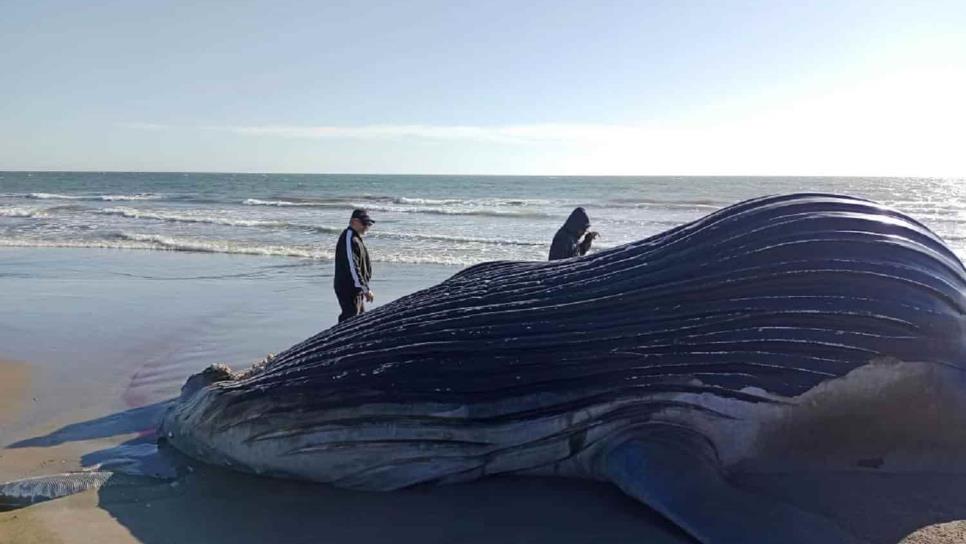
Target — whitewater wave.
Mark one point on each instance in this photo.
(142, 196)
(438, 207)
(55, 196)
(448, 238)
(106, 198)
(165, 243)
(290, 203)
(429, 201)
(689, 204)
(39, 212)
(486, 212)
(133, 213)
(223, 246)
(298, 201)
(168, 243)
(18, 211)
(469, 201)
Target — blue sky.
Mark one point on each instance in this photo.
(540, 87)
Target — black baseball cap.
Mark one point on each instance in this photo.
(362, 215)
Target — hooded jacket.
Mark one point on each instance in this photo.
(566, 242)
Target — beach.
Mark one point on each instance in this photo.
(100, 344)
(115, 291)
(102, 331)
(14, 386)
(105, 345)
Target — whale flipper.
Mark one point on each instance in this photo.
(675, 472)
(21, 493)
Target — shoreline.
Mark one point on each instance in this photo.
(91, 335)
(122, 331)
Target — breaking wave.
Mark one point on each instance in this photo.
(133, 213)
(289, 203)
(18, 211)
(106, 198)
(169, 243)
(434, 210)
(687, 204)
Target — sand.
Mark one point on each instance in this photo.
(884, 508)
(17, 405)
(213, 506)
(14, 388)
(943, 532)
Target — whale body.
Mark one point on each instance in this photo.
(614, 366)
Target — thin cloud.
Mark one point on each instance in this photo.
(906, 124)
(511, 134)
(144, 126)
(498, 134)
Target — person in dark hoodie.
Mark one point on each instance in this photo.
(352, 267)
(567, 242)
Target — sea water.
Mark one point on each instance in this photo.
(455, 220)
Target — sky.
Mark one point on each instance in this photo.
(543, 87)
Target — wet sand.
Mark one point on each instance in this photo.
(14, 389)
(212, 507)
(109, 336)
(886, 508)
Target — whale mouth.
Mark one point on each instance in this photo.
(218, 372)
(887, 416)
(221, 372)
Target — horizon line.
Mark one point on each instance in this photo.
(255, 173)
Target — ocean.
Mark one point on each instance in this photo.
(448, 220)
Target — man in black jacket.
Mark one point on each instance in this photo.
(567, 242)
(352, 267)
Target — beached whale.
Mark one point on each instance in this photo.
(659, 365)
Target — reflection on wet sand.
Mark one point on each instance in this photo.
(14, 389)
